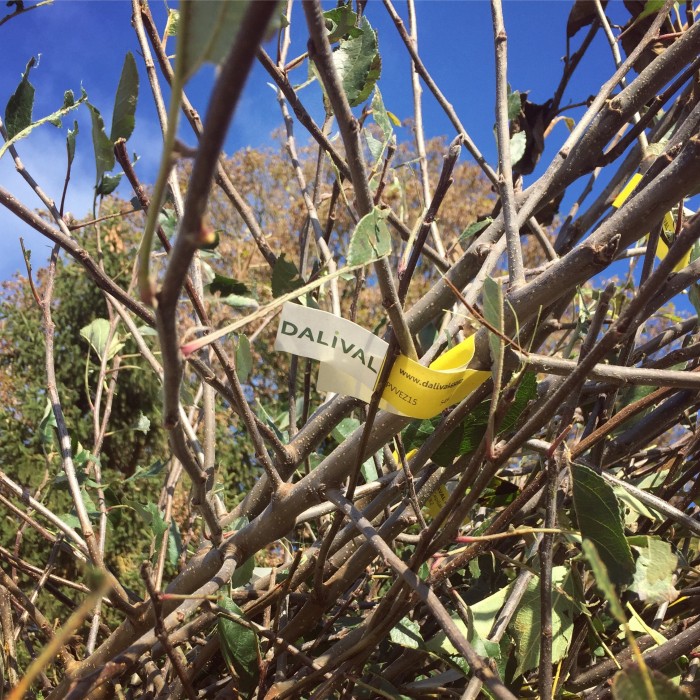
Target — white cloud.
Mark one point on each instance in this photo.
(43, 154)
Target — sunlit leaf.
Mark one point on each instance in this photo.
(371, 239)
(651, 7)
(655, 566)
(358, 63)
(406, 633)
(517, 147)
(239, 302)
(340, 22)
(514, 105)
(53, 118)
(174, 543)
(97, 334)
(244, 358)
(526, 625)
(633, 684)
(380, 115)
(143, 424)
(172, 23)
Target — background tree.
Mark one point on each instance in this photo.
(528, 539)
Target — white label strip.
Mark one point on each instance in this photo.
(332, 341)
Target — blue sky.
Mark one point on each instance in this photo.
(84, 43)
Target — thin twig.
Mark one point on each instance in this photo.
(418, 126)
(162, 633)
(320, 53)
(516, 272)
(446, 106)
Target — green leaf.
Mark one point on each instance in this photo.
(96, 333)
(694, 297)
(341, 432)
(239, 302)
(70, 142)
(442, 646)
(340, 22)
(143, 424)
(47, 424)
(407, 634)
(527, 391)
(466, 437)
(18, 112)
(358, 63)
(514, 104)
(631, 684)
(368, 469)
(108, 183)
(656, 564)
(285, 277)
(345, 428)
(104, 149)
(167, 220)
(174, 544)
(147, 472)
(651, 7)
(382, 119)
(600, 520)
(376, 147)
(228, 285)
(244, 358)
(526, 625)
(54, 118)
(92, 510)
(600, 572)
(493, 313)
(371, 239)
(208, 32)
(476, 228)
(381, 116)
(151, 515)
(239, 646)
(171, 26)
(243, 574)
(517, 146)
(124, 114)
(484, 613)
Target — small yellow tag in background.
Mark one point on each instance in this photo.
(627, 190)
(669, 223)
(438, 500)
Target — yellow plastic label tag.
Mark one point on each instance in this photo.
(351, 358)
(438, 500)
(627, 190)
(668, 225)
